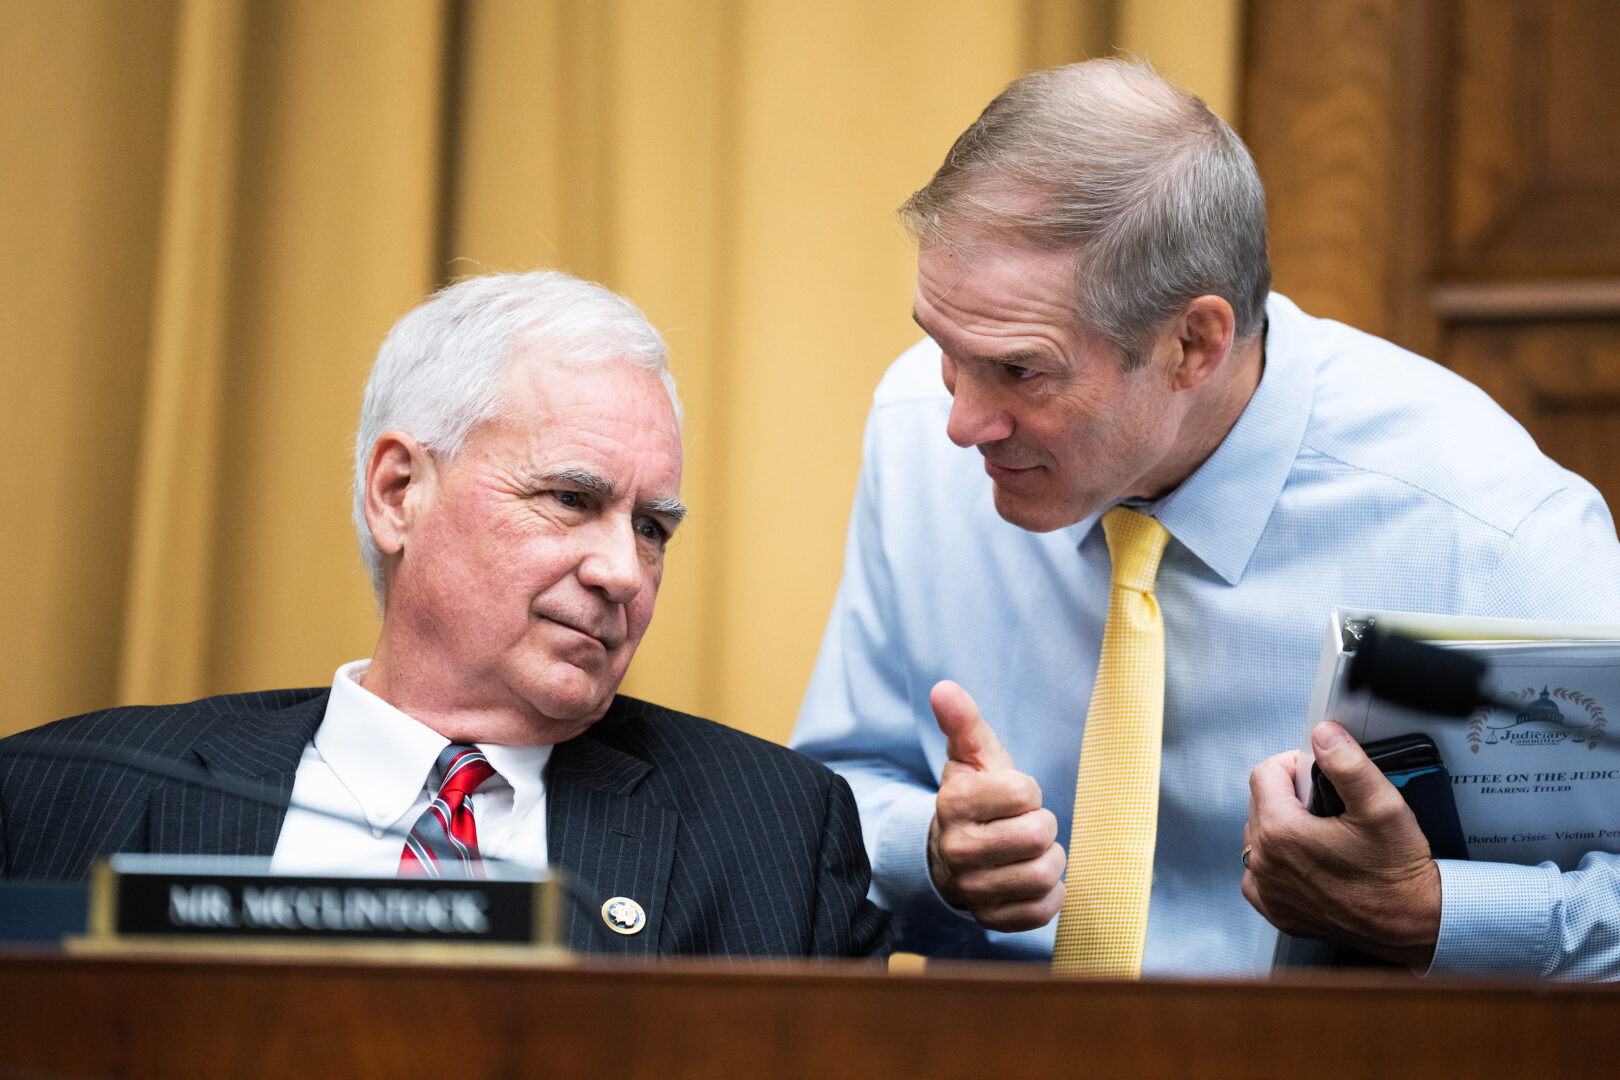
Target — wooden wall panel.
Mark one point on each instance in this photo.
(1446, 173)
(1534, 178)
(1326, 143)
(1526, 280)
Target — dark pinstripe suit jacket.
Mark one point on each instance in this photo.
(731, 844)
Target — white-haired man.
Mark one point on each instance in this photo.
(1186, 473)
(517, 478)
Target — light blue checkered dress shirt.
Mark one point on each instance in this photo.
(1358, 475)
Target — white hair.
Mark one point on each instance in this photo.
(1157, 194)
(438, 373)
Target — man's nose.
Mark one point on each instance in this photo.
(612, 561)
(975, 418)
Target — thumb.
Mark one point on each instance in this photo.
(1359, 782)
(968, 739)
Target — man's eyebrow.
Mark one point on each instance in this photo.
(673, 509)
(589, 481)
(1017, 357)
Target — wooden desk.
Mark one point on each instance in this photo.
(63, 1016)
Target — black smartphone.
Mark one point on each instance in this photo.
(1412, 763)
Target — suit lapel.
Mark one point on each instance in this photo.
(245, 743)
(604, 825)
(607, 831)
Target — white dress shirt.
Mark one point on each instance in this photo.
(370, 764)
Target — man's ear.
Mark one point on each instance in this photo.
(398, 475)
(1203, 335)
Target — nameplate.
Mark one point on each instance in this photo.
(176, 898)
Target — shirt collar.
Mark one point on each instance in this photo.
(384, 757)
(524, 768)
(381, 755)
(1221, 510)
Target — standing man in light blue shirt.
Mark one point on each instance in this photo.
(1092, 278)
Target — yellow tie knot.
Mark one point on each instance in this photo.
(1135, 543)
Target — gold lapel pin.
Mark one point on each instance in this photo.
(623, 915)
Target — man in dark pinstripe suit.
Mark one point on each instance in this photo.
(517, 478)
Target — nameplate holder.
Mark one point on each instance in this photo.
(151, 900)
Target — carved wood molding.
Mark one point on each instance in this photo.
(1504, 300)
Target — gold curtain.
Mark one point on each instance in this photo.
(214, 210)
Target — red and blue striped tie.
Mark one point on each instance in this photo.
(445, 839)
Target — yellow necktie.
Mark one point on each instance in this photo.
(1116, 803)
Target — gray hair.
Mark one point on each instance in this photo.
(438, 373)
(1157, 193)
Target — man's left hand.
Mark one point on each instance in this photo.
(1363, 879)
